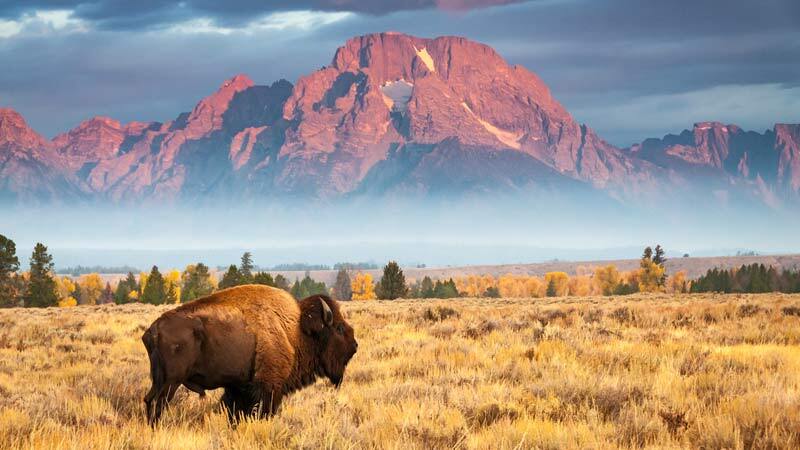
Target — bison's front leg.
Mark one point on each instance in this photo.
(239, 401)
(269, 400)
(156, 401)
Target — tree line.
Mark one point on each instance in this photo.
(40, 286)
(753, 278)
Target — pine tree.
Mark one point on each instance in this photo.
(658, 257)
(124, 288)
(77, 294)
(171, 297)
(660, 260)
(494, 292)
(196, 282)
(297, 291)
(155, 291)
(108, 295)
(231, 278)
(342, 289)
(281, 282)
(392, 284)
(551, 288)
(9, 264)
(41, 285)
(427, 287)
(263, 278)
(308, 286)
(446, 289)
(246, 268)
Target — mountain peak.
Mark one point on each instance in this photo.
(402, 111)
(100, 121)
(239, 82)
(14, 130)
(10, 117)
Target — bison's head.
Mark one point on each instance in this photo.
(334, 337)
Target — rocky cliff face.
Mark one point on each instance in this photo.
(30, 169)
(388, 89)
(391, 115)
(766, 164)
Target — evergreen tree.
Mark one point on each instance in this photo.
(342, 289)
(108, 295)
(77, 294)
(393, 283)
(124, 288)
(246, 268)
(494, 292)
(9, 264)
(41, 285)
(551, 288)
(658, 257)
(155, 291)
(414, 291)
(427, 287)
(445, 289)
(171, 297)
(281, 282)
(231, 278)
(263, 278)
(297, 291)
(306, 287)
(196, 282)
(660, 260)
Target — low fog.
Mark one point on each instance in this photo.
(435, 233)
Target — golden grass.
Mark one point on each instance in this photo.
(688, 371)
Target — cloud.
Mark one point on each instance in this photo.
(129, 15)
(42, 23)
(153, 59)
(279, 21)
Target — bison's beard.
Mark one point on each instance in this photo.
(334, 370)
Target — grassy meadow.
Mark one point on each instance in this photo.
(658, 371)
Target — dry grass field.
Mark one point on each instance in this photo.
(689, 371)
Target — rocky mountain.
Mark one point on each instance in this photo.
(391, 115)
(30, 168)
(718, 156)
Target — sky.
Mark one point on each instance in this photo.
(627, 68)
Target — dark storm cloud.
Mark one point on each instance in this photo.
(144, 14)
(630, 69)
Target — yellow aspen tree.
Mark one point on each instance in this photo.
(580, 285)
(91, 288)
(173, 279)
(363, 287)
(678, 283)
(606, 279)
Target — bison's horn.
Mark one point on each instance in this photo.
(327, 314)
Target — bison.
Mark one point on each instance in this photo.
(256, 342)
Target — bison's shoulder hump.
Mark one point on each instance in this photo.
(244, 297)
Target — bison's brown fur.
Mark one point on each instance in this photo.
(256, 342)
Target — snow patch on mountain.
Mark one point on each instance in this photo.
(508, 138)
(396, 94)
(426, 58)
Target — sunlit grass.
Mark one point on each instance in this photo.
(661, 371)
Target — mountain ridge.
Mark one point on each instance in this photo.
(447, 112)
